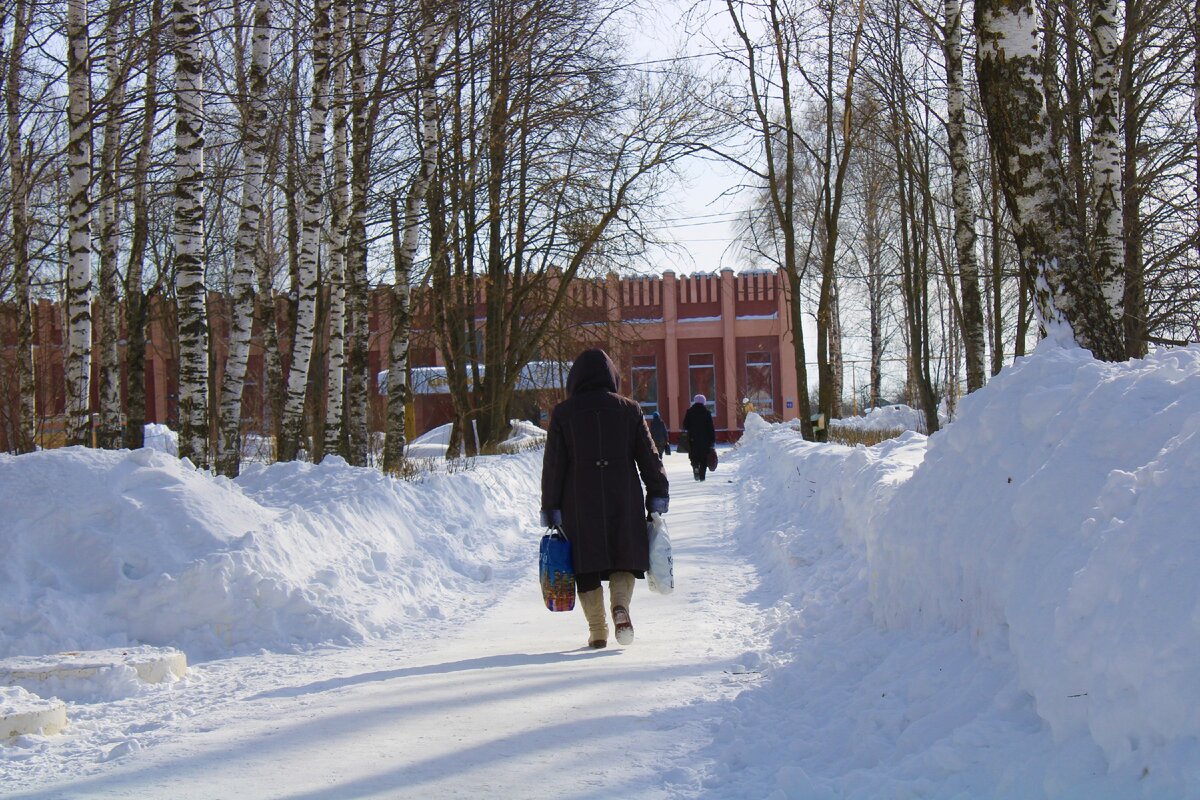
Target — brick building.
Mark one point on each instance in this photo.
(722, 335)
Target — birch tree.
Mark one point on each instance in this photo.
(404, 244)
(292, 429)
(332, 430)
(1009, 66)
(135, 295)
(19, 175)
(971, 317)
(189, 232)
(1107, 243)
(79, 224)
(108, 431)
(357, 317)
(254, 145)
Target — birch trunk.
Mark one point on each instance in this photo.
(19, 172)
(79, 223)
(310, 241)
(135, 296)
(108, 433)
(269, 325)
(406, 247)
(334, 432)
(1069, 301)
(358, 380)
(398, 390)
(971, 318)
(189, 232)
(254, 147)
(1107, 241)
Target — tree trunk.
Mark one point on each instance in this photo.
(971, 318)
(1134, 301)
(997, 274)
(19, 172)
(189, 233)
(254, 145)
(357, 299)
(837, 367)
(1009, 66)
(834, 179)
(334, 433)
(268, 323)
(405, 245)
(1107, 241)
(79, 267)
(310, 241)
(135, 295)
(873, 240)
(398, 390)
(781, 185)
(109, 433)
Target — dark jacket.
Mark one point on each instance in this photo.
(698, 423)
(596, 446)
(658, 430)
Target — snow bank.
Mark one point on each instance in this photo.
(1053, 523)
(112, 548)
(1061, 509)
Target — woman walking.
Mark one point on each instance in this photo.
(596, 448)
(658, 432)
(702, 435)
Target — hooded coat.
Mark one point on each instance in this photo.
(702, 434)
(595, 449)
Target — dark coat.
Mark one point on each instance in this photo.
(658, 430)
(702, 435)
(596, 446)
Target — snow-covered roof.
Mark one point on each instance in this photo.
(535, 376)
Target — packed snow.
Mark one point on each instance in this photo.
(1004, 609)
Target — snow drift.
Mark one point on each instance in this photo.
(1053, 523)
(112, 548)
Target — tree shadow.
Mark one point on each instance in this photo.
(485, 663)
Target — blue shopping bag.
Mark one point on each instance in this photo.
(557, 573)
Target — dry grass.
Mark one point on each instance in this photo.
(854, 436)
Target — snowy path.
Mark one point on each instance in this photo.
(508, 705)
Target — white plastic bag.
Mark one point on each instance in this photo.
(661, 575)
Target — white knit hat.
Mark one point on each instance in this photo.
(699, 399)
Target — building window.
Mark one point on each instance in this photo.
(760, 386)
(645, 383)
(702, 379)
